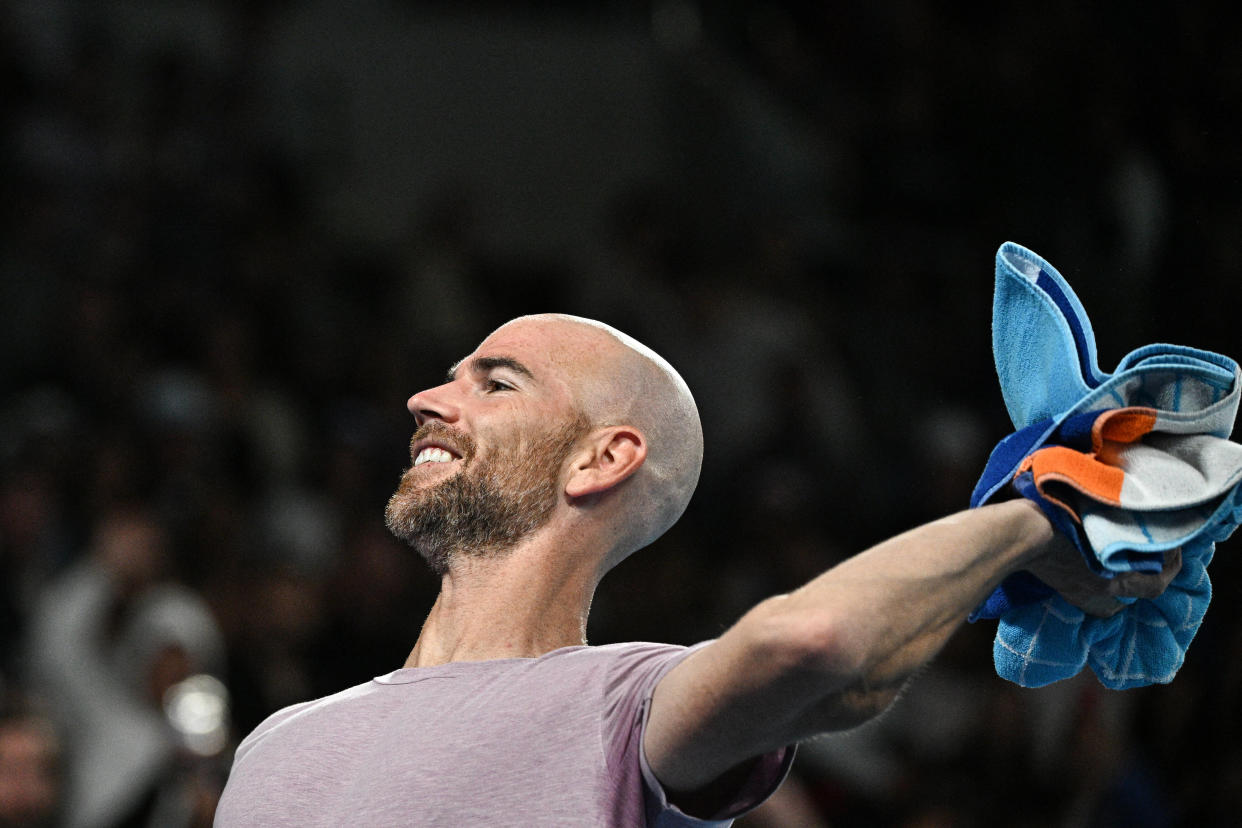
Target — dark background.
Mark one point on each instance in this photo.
(238, 235)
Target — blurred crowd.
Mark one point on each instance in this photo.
(204, 385)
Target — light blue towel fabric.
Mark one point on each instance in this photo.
(1045, 356)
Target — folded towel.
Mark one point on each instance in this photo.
(1128, 464)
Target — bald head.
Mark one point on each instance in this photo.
(616, 380)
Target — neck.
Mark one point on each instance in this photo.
(520, 605)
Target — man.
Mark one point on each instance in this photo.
(552, 452)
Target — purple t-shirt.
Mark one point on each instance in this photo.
(554, 740)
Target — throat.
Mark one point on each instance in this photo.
(479, 617)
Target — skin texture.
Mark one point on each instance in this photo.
(827, 656)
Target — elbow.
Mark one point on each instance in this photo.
(827, 679)
(814, 647)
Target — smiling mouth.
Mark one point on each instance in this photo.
(434, 454)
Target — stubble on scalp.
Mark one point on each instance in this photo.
(497, 499)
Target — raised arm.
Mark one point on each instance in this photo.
(837, 651)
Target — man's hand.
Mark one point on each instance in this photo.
(1061, 567)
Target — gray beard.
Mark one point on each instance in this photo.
(489, 506)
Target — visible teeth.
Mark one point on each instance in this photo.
(431, 454)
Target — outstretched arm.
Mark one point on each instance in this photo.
(836, 651)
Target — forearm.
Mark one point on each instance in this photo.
(886, 612)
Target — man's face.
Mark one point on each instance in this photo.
(488, 452)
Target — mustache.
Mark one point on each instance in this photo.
(450, 438)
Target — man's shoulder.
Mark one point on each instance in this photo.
(619, 656)
(619, 668)
(302, 710)
(621, 650)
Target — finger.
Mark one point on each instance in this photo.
(1173, 563)
(1101, 606)
(1147, 584)
(1137, 585)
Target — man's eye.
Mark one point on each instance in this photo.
(497, 385)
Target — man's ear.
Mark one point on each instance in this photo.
(608, 456)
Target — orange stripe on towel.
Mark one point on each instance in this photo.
(1099, 481)
(1122, 425)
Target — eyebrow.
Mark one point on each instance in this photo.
(488, 363)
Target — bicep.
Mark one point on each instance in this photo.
(755, 690)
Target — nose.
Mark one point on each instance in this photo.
(433, 404)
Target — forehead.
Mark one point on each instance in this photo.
(559, 347)
(562, 356)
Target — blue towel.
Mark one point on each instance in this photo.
(1128, 465)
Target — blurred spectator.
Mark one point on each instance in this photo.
(31, 766)
(108, 639)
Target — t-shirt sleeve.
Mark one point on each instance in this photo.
(631, 697)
